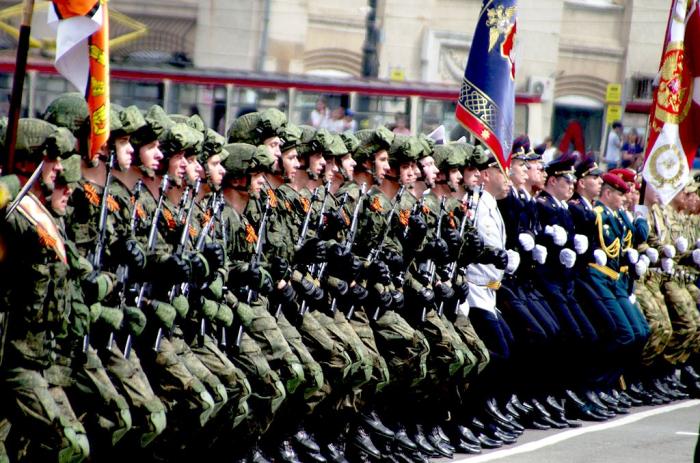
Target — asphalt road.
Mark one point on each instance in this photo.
(665, 434)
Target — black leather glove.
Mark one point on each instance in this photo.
(497, 257)
(358, 294)
(255, 278)
(461, 290)
(438, 251)
(394, 261)
(214, 253)
(426, 296)
(339, 289)
(397, 299)
(134, 255)
(378, 272)
(309, 291)
(279, 268)
(174, 270)
(382, 299)
(333, 223)
(443, 292)
(341, 263)
(199, 267)
(417, 230)
(422, 273)
(453, 240)
(312, 251)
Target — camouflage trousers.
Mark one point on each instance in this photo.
(651, 301)
(194, 364)
(683, 311)
(448, 352)
(404, 347)
(44, 424)
(187, 400)
(267, 390)
(380, 371)
(695, 293)
(315, 389)
(105, 412)
(147, 411)
(262, 327)
(234, 381)
(463, 327)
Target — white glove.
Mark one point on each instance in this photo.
(641, 267)
(645, 259)
(557, 233)
(641, 211)
(513, 261)
(668, 251)
(526, 241)
(600, 257)
(633, 299)
(697, 244)
(653, 255)
(632, 255)
(696, 257)
(580, 243)
(667, 265)
(567, 257)
(682, 244)
(539, 253)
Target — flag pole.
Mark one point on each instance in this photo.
(8, 157)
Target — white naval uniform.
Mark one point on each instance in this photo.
(492, 230)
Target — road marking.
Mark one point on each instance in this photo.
(566, 435)
(683, 433)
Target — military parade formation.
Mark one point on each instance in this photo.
(289, 294)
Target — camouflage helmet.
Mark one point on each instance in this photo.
(350, 140)
(372, 141)
(71, 173)
(256, 127)
(244, 159)
(320, 141)
(428, 145)
(449, 157)
(476, 155)
(36, 138)
(157, 122)
(290, 137)
(307, 142)
(69, 110)
(125, 121)
(194, 121)
(404, 148)
(212, 145)
(181, 138)
(61, 143)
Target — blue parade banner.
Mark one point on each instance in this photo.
(486, 104)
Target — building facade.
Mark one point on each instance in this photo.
(568, 52)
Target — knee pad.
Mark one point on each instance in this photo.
(279, 397)
(74, 446)
(297, 377)
(207, 406)
(156, 422)
(123, 425)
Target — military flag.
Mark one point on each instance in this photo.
(82, 57)
(486, 103)
(673, 137)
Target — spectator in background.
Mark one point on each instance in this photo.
(321, 115)
(631, 152)
(400, 125)
(349, 119)
(337, 120)
(612, 150)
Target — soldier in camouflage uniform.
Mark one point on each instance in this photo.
(148, 412)
(44, 424)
